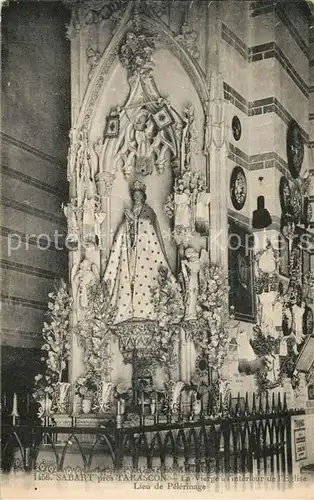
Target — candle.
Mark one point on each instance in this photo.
(14, 413)
(119, 409)
(142, 398)
(46, 404)
(122, 406)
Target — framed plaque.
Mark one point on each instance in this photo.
(306, 356)
(241, 273)
(295, 148)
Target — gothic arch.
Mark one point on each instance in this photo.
(155, 26)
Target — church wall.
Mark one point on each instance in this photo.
(266, 74)
(35, 126)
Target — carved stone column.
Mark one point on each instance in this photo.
(104, 182)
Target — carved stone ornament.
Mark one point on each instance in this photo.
(104, 182)
(92, 12)
(73, 215)
(136, 53)
(93, 57)
(295, 148)
(296, 204)
(238, 188)
(188, 39)
(284, 194)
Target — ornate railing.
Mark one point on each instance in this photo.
(255, 443)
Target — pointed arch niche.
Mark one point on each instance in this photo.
(181, 83)
(179, 80)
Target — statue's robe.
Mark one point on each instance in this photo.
(132, 270)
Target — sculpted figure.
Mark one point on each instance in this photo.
(135, 258)
(191, 267)
(70, 211)
(83, 277)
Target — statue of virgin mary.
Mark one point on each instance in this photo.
(136, 256)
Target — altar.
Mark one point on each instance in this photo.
(139, 212)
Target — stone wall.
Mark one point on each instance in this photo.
(34, 136)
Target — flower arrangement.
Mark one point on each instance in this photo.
(267, 266)
(308, 284)
(263, 344)
(167, 299)
(189, 182)
(86, 387)
(122, 391)
(265, 282)
(56, 336)
(169, 206)
(93, 332)
(209, 331)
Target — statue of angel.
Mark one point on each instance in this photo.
(83, 276)
(192, 266)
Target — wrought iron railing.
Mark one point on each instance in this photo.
(256, 441)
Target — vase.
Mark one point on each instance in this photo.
(86, 406)
(62, 390)
(153, 407)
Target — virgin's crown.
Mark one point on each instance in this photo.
(138, 186)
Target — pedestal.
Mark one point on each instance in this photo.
(62, 420)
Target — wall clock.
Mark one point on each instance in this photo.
(308, 321)
(284, 194)
(295, 148)
(236, 128)
(238, 188)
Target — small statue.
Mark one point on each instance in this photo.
(70, 211)
(92, 220)
(83, 277)
(190, 270)
(170, 305)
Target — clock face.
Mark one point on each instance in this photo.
(238, 188)
(285, 194)
(295, 148)
(236, 128)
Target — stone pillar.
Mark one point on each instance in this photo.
(187, 357)
(104, 182)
